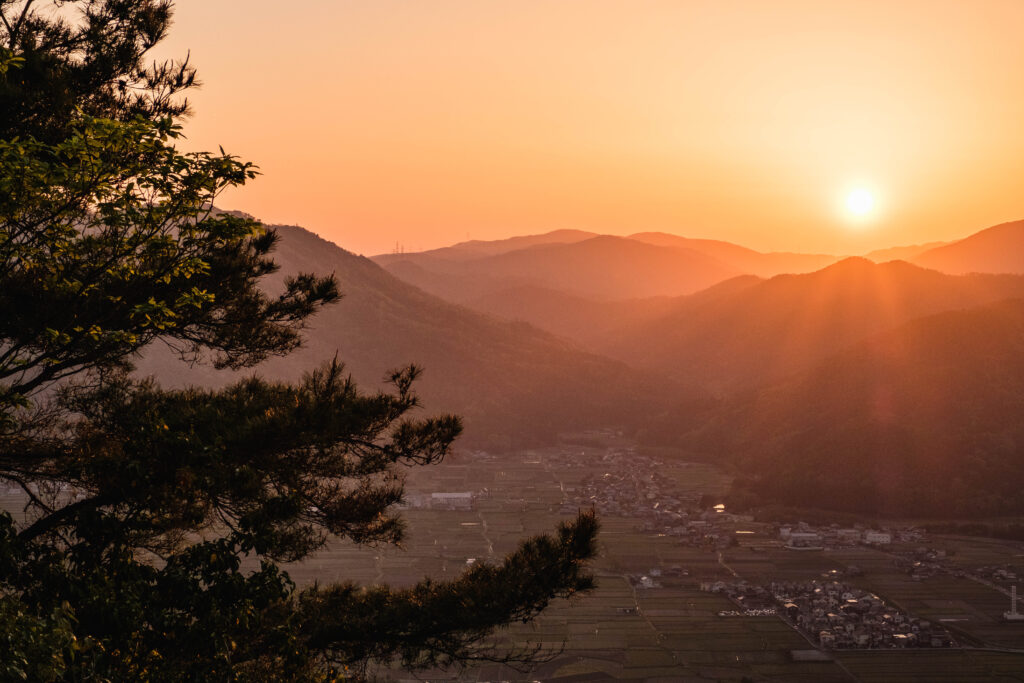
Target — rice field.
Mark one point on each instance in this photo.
(671, 632)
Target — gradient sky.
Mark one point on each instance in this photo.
(419, 123)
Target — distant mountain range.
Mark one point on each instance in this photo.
(603, 268)
(529, 278)
(999, 249)
(582, 264)
(906, 253)
(739, 258)
(514, 384)
(480, 248)
(842, 383)
(745, 333)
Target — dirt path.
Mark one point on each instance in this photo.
(721, 561)
(484, 533)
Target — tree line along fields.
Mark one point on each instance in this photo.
(673, 629)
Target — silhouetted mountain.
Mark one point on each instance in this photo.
(905, 253)
(511, 381)
(768, 330)
(999, 249)
(441, 271)
(478, 248)
(585, 265)
(924, 419)
(741, 259)
(603, 268)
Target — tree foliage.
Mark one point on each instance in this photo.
(128, 561)
(88, 55)
(112, 228)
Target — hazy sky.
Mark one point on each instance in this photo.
(426, 123)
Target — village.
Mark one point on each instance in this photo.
(843, 586)
(835, 615)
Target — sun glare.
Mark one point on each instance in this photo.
(860, 202)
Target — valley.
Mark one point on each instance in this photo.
(656, 614)
(652, 411)
(511, 342)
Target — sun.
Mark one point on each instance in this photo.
(860, 202)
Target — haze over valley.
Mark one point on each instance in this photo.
(784, 367)
(586, 341)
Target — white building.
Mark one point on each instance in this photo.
(804, 539)
(848, 535)
(461, 500)
(877, 537)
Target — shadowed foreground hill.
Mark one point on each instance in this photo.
(512, 382)
(924, 419)
(762, 332)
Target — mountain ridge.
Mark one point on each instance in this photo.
(513, 383)
(998, 249)
(776, 327)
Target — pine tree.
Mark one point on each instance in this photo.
(126, 563)
(88, 55)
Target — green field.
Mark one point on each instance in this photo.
(671, 632)
(674, 633)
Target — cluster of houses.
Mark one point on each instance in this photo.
(711, 530)
(747, 596)
(803, 536)
(924, 563)
(1001, 573)
(836, 615)
(630, 486)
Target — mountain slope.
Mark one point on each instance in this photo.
(448, 280)
(479, 248)
(904, 253)
(999, 249)
(586, 322)
(611, 268)
(921, 420)
(767, 331)
(739, 258)
(602, 268)
(511, 381)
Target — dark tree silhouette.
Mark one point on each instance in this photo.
(142, 502)
(86, 55)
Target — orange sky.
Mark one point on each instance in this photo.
(424, 123)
